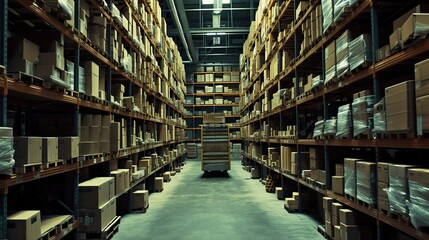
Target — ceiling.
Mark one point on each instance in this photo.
(210, 35)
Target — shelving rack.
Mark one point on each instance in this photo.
(17, 97)
(205, 77)
(264, 46)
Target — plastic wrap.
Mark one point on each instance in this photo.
(363, 114)
(330, 127)
(418, 204)
(360, 51)
(64, 6)
(330, 74)
(342, 52)
(6, 155)
(353, 2)
(344, 121)
(339, 7)
(379, 117)
(327, 12)
(419, 29)
(349, 181)
(318, 128)
(396, 195)
(366, 187)
(317, 81)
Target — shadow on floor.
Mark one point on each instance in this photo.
(215, 174)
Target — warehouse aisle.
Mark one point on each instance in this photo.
(234, 207)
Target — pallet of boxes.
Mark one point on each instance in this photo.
(97, 209)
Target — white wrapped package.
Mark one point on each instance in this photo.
(330, 127)
(318, 128)
(328, 14)
(6, 151)
(379, 117)
(339, 8)
(360, 51)
(344, 121)
(363, 114)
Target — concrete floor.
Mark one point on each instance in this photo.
(233, 207)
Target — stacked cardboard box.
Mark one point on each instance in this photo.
(366, 189)
(327, 207)
(338, 179)
(342, 53)
(317, 162)
(398, 191)
(49, 149)
(419, 197)
(354, 225)
(97, 202)
(304, 159)
(330, 60)
(350, 176)
(382, 184)
(122, 180)
(140, 199)
(97, 31)
(286, 158)
(91, 132)
(422, 96)
(92, 78)
(400, 108)
(292, 203)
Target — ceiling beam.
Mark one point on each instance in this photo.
(223, 8)
(183, 21)
(204, 31)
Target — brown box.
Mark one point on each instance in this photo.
(68, 147)
(366, 189)
(383, 202)
(49, 149)
(317, 158)
(327, 203)
(279, 193)
(416, 20)
(339, 169)
(159, 184)
(338, 184)
(95, 220)
(422, 113)
(336, 209)
(362, 93)
(25, 49)
(140, 199)
(328, 216)
(400, 107)
(166, 176)
(337, 233)
(95, 192)
(383, 172)
(115, 131)
(119, 181)
(350, 176)
(126, 173)
(328, 228)
(351, 217)
(27, 150)
(24, 225)
(355, 232)
(395, 39)
(87, 147)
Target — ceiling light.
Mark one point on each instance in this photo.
(207, 2)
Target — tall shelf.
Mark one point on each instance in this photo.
(282, 101)
(212, 89)
(139, 84)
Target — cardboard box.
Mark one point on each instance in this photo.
(422, 113)
(302, 6)
(96, 120)
(95, 192)
(328, 228)
(338, 184)
(94, 133)
(55, 59)
(49, 149)
(350, 176)
(395, 39)
(27, 150)
(68, 147)
(126, 173)
(355, 232)
(104, 133)
(24, 225)
(350, 217)
(115, 131)
(87, 147)
(400, 105)
(21, 65)
(327, 203)
(159, 184)
(25, 49)
(383, 202)
(140, 199)
(383, 172)
(279, 193)
(366, 188)
(339, 169)
(167, 176)
(95, 220)
(415, 25)
(119, 181)
(336, 209)
(420, 175)
(337, 233)
(317, 158)
(328, 216)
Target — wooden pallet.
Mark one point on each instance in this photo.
(364, 136)
(107, 233)
(351, 198)
(140, 210)
(401, 135)
(51, 233)
(53, 164)
(367, 205)
(72, 93)
(26, 168)
(27, 78)
(380, 135)
(90, 157)
(71, 160)
(400, 218)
